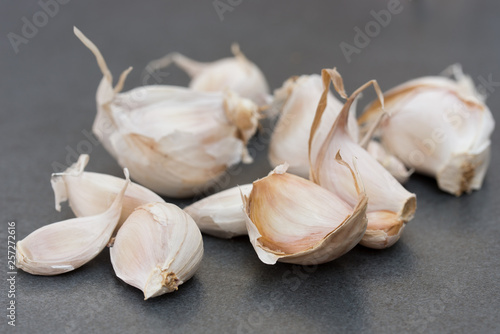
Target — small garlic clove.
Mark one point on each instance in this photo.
(439, 127)
(384, 192)
(220, 214)
(158, 248)
(89, 193)
(291, 219)
(64, 246)
(389, 161)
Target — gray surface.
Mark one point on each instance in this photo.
(442, 276)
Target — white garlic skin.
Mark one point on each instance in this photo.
(389, 161)
(158, 248)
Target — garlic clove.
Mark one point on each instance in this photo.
(291, 219)
(67, 245)
(220, 214)
(237, 74)
(439, 127)
(384, 192)
(89, 193)
(158, 248)
(389, 161)
(174, 140)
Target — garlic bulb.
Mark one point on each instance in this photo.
(389, 161)
(64, 246)
(174, 140)
(237, 74)
(296, 103)
(158, 248)
(390, 206)
(89, 193)
(291, 219)
(440, 127)
(220, 214)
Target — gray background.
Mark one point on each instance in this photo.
(442, 276)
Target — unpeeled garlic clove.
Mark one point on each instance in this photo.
(440, 127)
(174, 140)
(158, 248)
(385, 194)
(389, 161)
(291, 219)
(220, 214)
(237, 74)
(89, 193)
(64, 246)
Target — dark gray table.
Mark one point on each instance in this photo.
(442, 276)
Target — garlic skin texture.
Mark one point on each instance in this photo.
(158, 248)
(237, 74)
(67, 245)
(440, 127)
(174, 140)
(291, 219)
(390, 206)
(220, 214)
(296, 103)
(89, 193)
(389, 161)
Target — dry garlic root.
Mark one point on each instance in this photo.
(174, 140)
(440, 127)
(390, 206)
(64, 246)
(237, 74)
(89, 193)
(158, 248)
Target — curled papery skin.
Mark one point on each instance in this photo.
(296, 102)
(291, 219)
(221, 214)
(389, 161)
(385, 194)
(158, 248)
(89, 193)
(175, 141)
(439, 127)
(237, 74)
(64, 246)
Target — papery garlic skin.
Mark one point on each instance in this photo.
(174, 140)
(237, 74)
(385, 194)
(441, 128)
(67, 245)
(389, 161)
(158, 248)
(221, 214)
(296, 103)
(291, 219)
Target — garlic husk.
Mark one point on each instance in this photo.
(291, 219)
(440, 127)
(296, 103)
(389, 161)
(237, 74)
(158, 248)
(67, 245)
(220, 214)
(174, 140)
(89, 193)
(384, 192)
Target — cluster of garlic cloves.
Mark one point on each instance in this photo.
(439, 127)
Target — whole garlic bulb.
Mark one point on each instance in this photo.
(237, 74)
(158, 248)
(440, 127)
(174, 140)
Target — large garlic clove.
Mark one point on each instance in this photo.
(158, 248)
(64, 246)
(291, 219)
(89, 193)
(174, 140)
(389, 161)
(296, 103)
(385, 194)
(440, 127)
(237, 74)
(220, 214)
